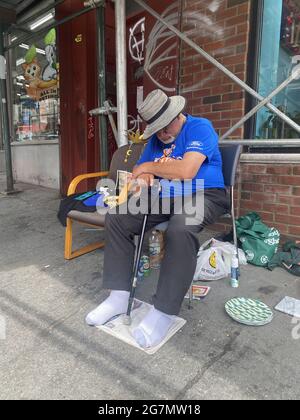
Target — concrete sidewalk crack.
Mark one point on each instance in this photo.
(227, 348)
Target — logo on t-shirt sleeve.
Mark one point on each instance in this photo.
(195, 144)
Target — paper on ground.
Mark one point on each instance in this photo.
(116, 327)
(198, 292)
(290, 306)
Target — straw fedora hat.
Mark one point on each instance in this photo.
(158, 110)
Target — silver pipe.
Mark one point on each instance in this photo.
(93, 3)
(120, 18)
(261, 142)
(218, 65)
(111, 120)
(9, 81)
(260, 105)
(101, 70)
(23, 5)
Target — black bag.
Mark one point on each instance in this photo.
(73, 202)
(289, 258)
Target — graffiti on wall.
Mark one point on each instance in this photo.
(158, 53)
(161, 50)
(91, 128)
(137, 41)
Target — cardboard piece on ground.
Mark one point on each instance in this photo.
(118, 329)
(290, 306)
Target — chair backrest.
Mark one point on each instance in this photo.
(230, 158)
(121, 162)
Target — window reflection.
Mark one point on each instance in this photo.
(280, 45)
(36, 90)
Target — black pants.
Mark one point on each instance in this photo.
(181, 247)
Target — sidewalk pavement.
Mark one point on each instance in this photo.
(47, 351)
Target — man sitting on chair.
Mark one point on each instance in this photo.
(181, 147)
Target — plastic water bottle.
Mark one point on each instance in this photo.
(155, 249)
(234, 281)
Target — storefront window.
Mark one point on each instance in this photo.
(280, 49)
(36, 90)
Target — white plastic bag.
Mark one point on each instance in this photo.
(210, 265)
(214, 260)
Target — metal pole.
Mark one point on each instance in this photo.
(120, 18)
(39, 33)
(260, 105)
(127, 319)
(102, 86)
(111, 120)
(275, 142)
(180, 24)
(4, 116)
(218, 65)
(9, 87)
(108, 110)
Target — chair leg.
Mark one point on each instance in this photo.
(234, 228)
(69, 254)
(68, 239)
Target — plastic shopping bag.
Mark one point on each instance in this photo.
(214, 260)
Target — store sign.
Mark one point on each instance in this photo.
(42, 82)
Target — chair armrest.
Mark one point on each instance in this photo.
(79, 178)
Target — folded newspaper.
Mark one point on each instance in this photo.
(123, 177)
(118, 329)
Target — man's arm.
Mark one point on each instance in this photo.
(185, 168)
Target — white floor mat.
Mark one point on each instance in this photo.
(117, 328)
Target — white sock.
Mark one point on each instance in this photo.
(153, 328)
(115, 304)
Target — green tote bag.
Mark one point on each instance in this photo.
(258, 241)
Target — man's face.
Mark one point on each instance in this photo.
(168, 134)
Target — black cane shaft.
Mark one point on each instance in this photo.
(136, 265)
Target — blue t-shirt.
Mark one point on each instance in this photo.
(197, 135)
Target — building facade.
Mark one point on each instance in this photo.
(257, 40)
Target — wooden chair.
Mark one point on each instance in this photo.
(123, 159)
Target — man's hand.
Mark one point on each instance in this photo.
(145, 180)
(136, 184)
(139, 171)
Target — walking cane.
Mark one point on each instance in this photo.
(154, 190)
(127, 318)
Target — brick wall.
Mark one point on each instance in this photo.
(222, 30)
(272, 190)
